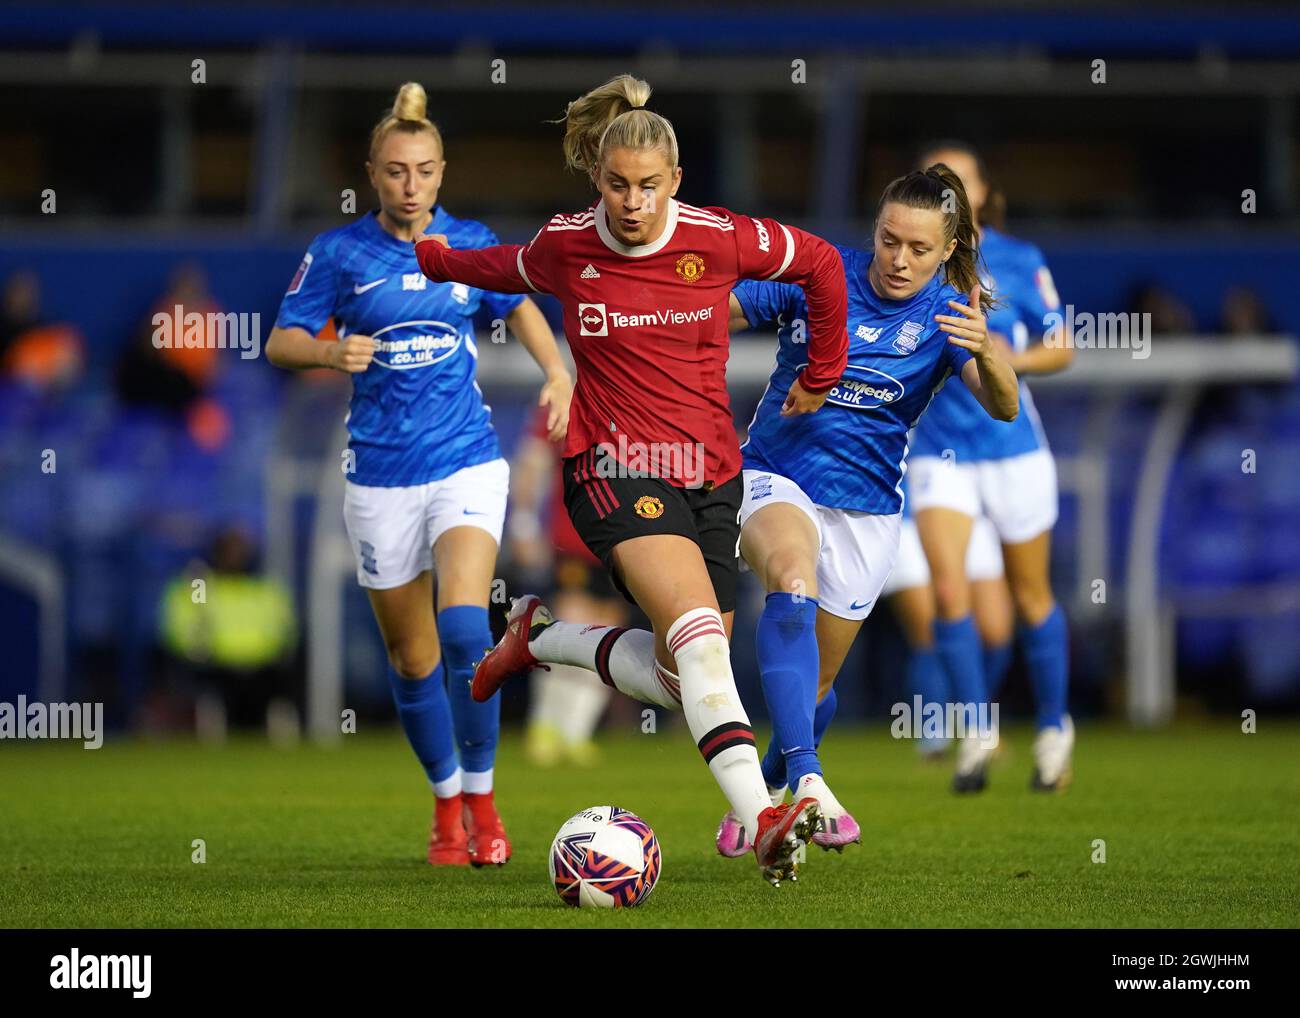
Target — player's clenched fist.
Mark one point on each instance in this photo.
(352, 355)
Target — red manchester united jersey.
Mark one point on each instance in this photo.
(647, 325)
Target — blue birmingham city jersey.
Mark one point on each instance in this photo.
(416, 413)
(850, 454)
(1020, 280)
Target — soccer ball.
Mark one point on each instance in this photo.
(604, 857)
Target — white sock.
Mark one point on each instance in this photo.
(570, 643)
(815, 785)
(714, 714)
(448, 787)
(624, 658)
(478, 782)
(580, 700)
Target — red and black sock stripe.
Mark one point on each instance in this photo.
(603, 650)
(726, 736)
(668, 682)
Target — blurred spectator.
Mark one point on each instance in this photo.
(42, 354)
(176, 377)
(1169, 315)
(188, 294)
(232, 639)
(21, 308)
(565, 703)
(1243, 314)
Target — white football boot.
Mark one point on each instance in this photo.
(1053, 755)
(973, 755)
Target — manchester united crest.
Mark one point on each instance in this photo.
(690, 267)
(648, 507)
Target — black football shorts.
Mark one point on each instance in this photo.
(608, 510)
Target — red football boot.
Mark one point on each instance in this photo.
(448, 844)
(488, 844)
(511, 656)
(781, 831)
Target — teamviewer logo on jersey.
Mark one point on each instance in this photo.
(592, 320)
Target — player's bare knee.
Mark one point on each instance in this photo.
(951, 597)
(995, 633)
(1033, 604)
(411, 660)
(792, 573)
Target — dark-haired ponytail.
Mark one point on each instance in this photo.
(940, 189)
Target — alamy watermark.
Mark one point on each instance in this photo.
(934, 720)
(36, 720)
(671, 461)
(77, 971)
(1084, 330)
(216, 330)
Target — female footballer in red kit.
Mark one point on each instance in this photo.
(651, 463)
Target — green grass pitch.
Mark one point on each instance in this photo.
(1201, 825)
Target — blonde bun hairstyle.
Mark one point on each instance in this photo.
(613, 115)
(409, 114)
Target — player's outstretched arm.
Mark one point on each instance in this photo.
(987, 374)
(819, 270)
(816, 267)
(1051, 349)
(298, 349)
(737, 321)
(529, 324)
(1051, 354)
(754, 304)
(488, 268)
(826, 295)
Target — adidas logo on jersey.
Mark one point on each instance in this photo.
(589, 273)
(868, 335)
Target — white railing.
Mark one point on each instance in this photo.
(38, 573)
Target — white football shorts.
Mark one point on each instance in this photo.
(1018, 494)
(857, 549)
(392, 530)
(983, 557)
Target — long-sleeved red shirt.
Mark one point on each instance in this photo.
(647, 325)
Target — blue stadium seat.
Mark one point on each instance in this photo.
(1270, 648)
(1207, 642)
(1210, 556)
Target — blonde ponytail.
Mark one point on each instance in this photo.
(409, 114)
(613, 115)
